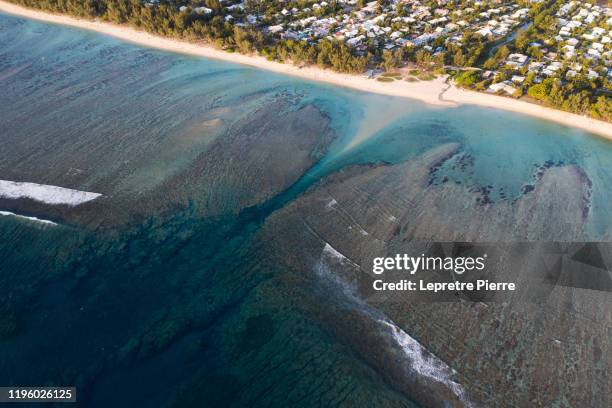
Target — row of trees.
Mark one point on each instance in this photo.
(576, 95)
(579, 99)
(166, 19)
(459, 55)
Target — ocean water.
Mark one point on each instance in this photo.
(162, 292)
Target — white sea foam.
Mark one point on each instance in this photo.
(45, 193)
(332, 204)
(334, 253)
(425, 363)
(420, 359)
(328, 254)
(38, 220)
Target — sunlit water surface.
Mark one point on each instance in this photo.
(156, 299)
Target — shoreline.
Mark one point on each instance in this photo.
(435, 92)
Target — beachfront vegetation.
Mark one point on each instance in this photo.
(554, 52)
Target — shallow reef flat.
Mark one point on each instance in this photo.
(257, 158)
(502, 350)
(147, 131)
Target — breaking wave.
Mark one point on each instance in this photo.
(38, 220)
(410, 356)
(45, 193)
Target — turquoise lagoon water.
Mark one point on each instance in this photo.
(158, 294)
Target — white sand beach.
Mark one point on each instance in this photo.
(433, 92)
